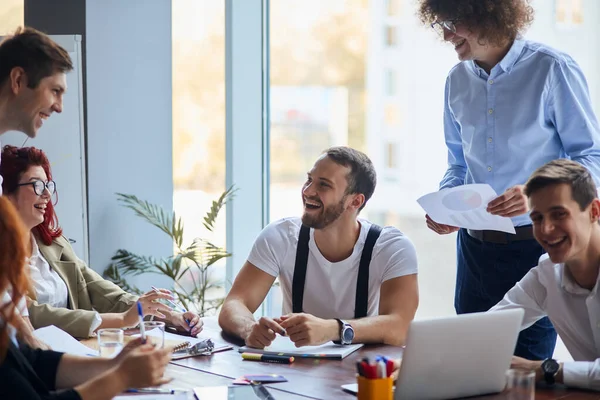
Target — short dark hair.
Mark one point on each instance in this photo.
(36, 53)
(362, 177)
(563, 171)
(496, 20)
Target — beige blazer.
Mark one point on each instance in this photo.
(87, 290)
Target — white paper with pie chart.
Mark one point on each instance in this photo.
(465, 206)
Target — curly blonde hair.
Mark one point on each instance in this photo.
(496, 21)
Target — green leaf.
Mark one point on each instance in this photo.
(211, 215)
(112, 274)
(155, 215)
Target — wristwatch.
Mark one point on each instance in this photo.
(550, 368)
(346, 333)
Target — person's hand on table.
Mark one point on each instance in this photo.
(179, 322)
(307, 330)
(263, 333)
(440, 229)
(150, 306)
(511, 203)
(143, 365)
(528, 365)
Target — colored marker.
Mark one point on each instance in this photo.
(267, 358)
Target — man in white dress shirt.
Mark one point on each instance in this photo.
(32, 81)
(565, 211)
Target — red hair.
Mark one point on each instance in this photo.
(13, 275)
(14, 163)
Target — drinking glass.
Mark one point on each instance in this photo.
(520, 384)
(155, 333)
(110, 342)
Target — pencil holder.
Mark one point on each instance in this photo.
(375, 389)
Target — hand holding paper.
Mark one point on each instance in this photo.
(466, 207)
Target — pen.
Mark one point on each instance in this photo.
(157, 391)
(141, 315)
(267, 358)
(173, 305)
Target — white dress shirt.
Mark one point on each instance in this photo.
(549, 290)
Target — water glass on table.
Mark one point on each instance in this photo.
(157, 337)
(110, 342)
(520, 384)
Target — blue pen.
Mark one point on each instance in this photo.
(157, 391)
(141, 315)
(175, 306)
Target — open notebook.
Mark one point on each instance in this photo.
(282, 345)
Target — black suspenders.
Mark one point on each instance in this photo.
(362, 282)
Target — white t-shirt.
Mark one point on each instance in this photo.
(330, 288)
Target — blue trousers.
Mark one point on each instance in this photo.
(486, 271)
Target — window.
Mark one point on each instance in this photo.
(331, 84)
(391, 39)
(11, 15)
(390, 82)
(392, 115)
(569, 12)
(199, 119)
(394, 8)
(391, 156)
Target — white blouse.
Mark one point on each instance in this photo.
(49, 287)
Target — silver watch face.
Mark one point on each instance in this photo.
(348, 334)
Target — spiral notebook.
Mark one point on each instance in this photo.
(282, 345)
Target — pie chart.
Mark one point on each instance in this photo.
(462, 200)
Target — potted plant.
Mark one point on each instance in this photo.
(190, 263)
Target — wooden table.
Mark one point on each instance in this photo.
(318, 379)
(307, 378)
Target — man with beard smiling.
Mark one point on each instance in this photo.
(32, 81)
(510, 106)
(343, 278)
(565, 211)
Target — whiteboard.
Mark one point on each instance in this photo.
(62, 139)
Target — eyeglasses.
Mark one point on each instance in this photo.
(40, 186)
(440, 26)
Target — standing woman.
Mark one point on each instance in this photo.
(26, 373)
(65, 292)
(510, 106)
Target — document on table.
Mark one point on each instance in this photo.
(465, 206)
(282, 345)
(61, 341)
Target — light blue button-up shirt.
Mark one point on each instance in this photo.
(533, 107)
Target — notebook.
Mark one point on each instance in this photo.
(282, 345)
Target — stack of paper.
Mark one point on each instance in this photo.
(60, 340)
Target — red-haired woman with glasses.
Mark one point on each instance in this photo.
(65, 292)
(44, 374)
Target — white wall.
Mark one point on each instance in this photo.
(129, 103)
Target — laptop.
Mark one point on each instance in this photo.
(459, 356)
